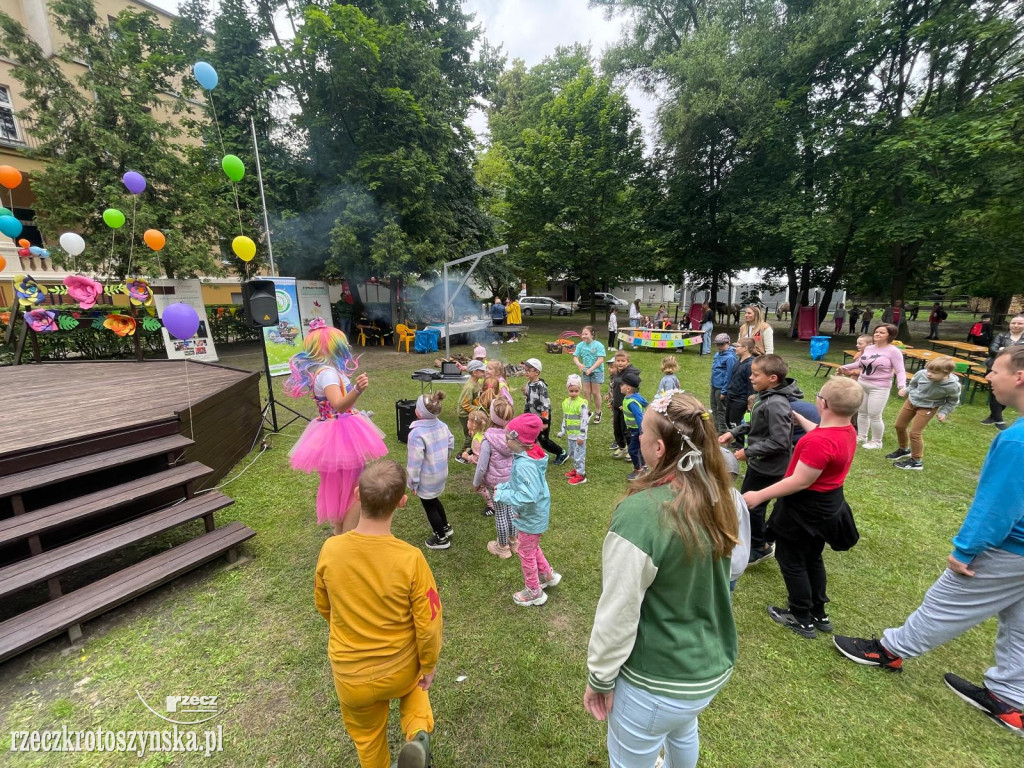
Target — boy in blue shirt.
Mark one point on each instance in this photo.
(721, 372)
(984, 576)
(633, 404)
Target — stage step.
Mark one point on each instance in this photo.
(48, 565)
(33, 627)
(46, 519)
(68, 470)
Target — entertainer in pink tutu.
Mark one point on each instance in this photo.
(342, 440)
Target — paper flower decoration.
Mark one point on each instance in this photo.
(139, 292)
(84, 290)
(5, 318)
(28, 291)
(122, 325)
(41, 320)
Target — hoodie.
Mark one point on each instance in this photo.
(806, 409)
(925, 393)
(770, 431)
(430, 440)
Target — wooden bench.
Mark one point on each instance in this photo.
(68, 612)
(829, 367)
(977, 382)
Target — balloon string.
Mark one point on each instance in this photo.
(110, 259)
(131, 243)
(223, 153)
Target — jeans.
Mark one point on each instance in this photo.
(803, 571)
(735, 411)
(870, 413)
(532, 560)
(634, 448)
(933, 330)
(641, 723)
(719, 409)
(578, 455)
(864, 325)
(917, 419)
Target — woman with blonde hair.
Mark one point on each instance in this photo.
(757, 328)
(664, 642)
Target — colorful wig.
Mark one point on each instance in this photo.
(322, 347)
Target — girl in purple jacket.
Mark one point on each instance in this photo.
(493, 467)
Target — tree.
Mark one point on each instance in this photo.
(111, 117)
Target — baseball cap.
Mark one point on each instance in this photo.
(723, 338)
(474, 365)
(533, 362)
(525, 428)
(630, 378)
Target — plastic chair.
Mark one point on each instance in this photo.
(404, 335)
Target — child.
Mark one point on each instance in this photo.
(539, 403)
(430, 440)
(934, 391)
(495, 370)
(340, 442)
(633, 404)
(620, 364)
(865, 322)
(812, 510)
(739, 388)
(469, 401)
(589, 358)
(494, 468)
(741, 552)
(721, 373)
(769, 442)
(613, 329)
(669, 380)
(381, 603)
(575, 417)
(526, 491)
(478, 423)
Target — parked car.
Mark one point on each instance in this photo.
(604, 301)
(542, 305)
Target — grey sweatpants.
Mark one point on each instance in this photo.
(955, 604)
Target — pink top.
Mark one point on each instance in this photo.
(877, 366)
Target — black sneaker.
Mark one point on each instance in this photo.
(448, 531)
(461, 460)
(438, 542)
(986, 701)
(1000, 425)
(909, 463)
(822, 623)
(787, 619)
(597, 419)
(415, 752)
(487, 512)
(561, 458)
(989, 421)
(868, 652)
(760, 555)
(899, 453)
(614, 447)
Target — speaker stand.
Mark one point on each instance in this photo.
(272, 405)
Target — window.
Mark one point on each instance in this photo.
(8, 125)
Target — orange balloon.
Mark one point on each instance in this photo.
(10, 177)
(24, 243)
(3, 263)
(154, 239)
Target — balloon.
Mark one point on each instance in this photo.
(10, 226)
(233, 167)
(3, 263)
(72, 243)
(44, 253)
(243, 247)
(5, 211)
(23, 242)
(205, 75)
(181, 321)
(154, 239)
(9, 177)
(113, 218)
(135, 182)
(35, 250)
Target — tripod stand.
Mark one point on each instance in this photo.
(272, 405)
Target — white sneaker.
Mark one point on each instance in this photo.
(872, 445)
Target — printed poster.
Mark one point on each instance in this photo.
(200, 346)
(314, 301)
(284, 339)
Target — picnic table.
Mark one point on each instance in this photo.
(961, 346)
(922, 356)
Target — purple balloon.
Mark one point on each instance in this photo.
(181, 321)
(135, 182)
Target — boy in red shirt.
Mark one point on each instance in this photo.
(812, 510)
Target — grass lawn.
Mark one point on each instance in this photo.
(251, 635)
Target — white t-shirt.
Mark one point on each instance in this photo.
(325, 377)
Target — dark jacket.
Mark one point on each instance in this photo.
(739, 387)
(1001, 341)
(983, 339)
(819, 514)
(770, 431)
(616, 380)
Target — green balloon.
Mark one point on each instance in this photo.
(113, 218)
(5, 212)
(233, 167)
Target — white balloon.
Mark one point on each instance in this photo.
(72, 243)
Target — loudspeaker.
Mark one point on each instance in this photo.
(260, 303)
(405, 415)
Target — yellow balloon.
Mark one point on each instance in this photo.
(243, 247)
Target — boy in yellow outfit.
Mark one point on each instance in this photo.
(381, 603)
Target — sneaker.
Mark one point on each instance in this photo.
(571, 473)
(787, 619)
(448, 531)
(530, 597)
(1000, 425)
(494, 343)
(908, 463)
(982, 698)
(552, 579)
(872, 445)
(990, 421)
(899, 453)
(822, 623)
(561, 458)
(597, 419)
(578, 480)
(868, 652)
(614, 447)
(496, 549)
(513, 544)
(620, 453)
(487, 512)
(634, 474)
(760, 555)
(415, 752)
(461, 460)
(861, 440)
(438, 542)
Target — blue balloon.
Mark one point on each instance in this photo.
(44, 253)
(10, 226)
(35, 250)
(205, 75)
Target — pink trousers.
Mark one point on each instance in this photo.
(532, 559)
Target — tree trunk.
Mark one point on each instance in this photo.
(836, 274)
(999, 308)
(793, 296)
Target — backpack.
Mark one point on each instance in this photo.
(942, 315)
(976, 329)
